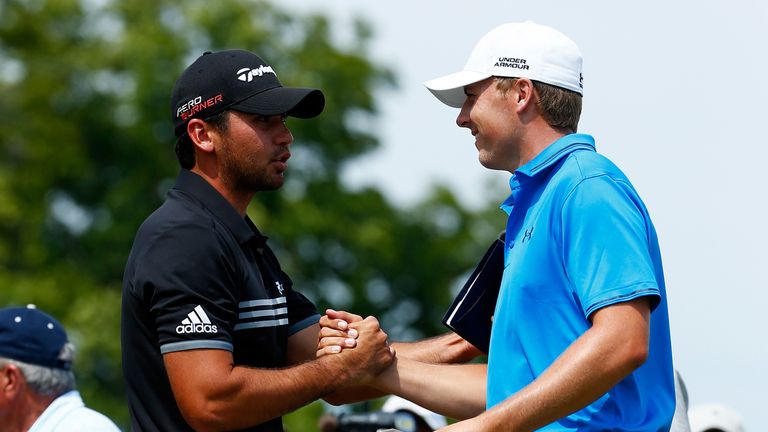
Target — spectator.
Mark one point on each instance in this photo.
(714, 418)
(37, 385)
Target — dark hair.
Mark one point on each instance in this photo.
(185, 148)
(560, 108)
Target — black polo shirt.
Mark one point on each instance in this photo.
(201, 276)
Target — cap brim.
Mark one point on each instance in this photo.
(449, 89)
(292, 101)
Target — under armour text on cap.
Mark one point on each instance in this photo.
(31, 336)
(520, 50)
(239, 80)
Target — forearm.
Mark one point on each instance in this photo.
(457, 391)
(589, 368)
(444, 349)
(246, 396)
(213, 394)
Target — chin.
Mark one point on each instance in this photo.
(277, 183)
(491, 165)
(485, 161)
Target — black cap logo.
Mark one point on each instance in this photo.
(247, 74)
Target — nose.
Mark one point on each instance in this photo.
(284, 137)
(462, 120)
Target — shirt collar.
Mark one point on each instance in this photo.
(194, 185)
(553, 153)
(556, 151)
(60, 407)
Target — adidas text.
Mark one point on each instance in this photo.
(196, 328)
(196, 321)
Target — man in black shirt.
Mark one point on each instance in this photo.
(214, 337)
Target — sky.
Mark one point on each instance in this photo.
(675, 94)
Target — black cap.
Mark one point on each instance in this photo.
(240, 80)
(32, 336)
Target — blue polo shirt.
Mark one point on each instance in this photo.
(578, 239)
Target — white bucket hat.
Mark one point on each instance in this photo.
(396, 403)
(714, 416)
(520, 50)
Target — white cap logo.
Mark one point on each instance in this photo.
(247, 74)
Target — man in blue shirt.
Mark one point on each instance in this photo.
(580, 338)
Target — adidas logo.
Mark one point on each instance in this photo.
(196, 321)
(247, 74)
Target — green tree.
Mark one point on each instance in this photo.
(86, 154)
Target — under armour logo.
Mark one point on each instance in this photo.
(527, 235)
(279, 287)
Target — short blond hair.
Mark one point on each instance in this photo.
(560, 108)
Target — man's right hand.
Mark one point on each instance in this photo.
(360, 343)
(336, 333)
(371, 353)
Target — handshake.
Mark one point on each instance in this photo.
(359, 343)
(432, 373)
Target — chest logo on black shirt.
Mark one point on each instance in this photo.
(196, 321)
(280, 288)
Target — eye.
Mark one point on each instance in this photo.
(270, 118)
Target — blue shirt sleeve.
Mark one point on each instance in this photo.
(606, 244)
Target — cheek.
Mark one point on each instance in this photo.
(491, 128)
(483, 114)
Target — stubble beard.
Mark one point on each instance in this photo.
(246, 173)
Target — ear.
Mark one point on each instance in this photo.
(11, 380)
(200, 134)
(525, 93)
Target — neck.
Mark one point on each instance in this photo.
(28, 409)
(239, 200)
(535, 141)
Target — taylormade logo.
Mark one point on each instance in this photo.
(196, 321)
(247, 74)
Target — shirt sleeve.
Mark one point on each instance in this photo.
(189, 278)
(302, 313)
(606, 244)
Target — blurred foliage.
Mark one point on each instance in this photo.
(86, 153)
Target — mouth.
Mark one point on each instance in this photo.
(282, 161)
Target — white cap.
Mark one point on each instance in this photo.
(714, 416)
(521, 50)
(396, 403)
